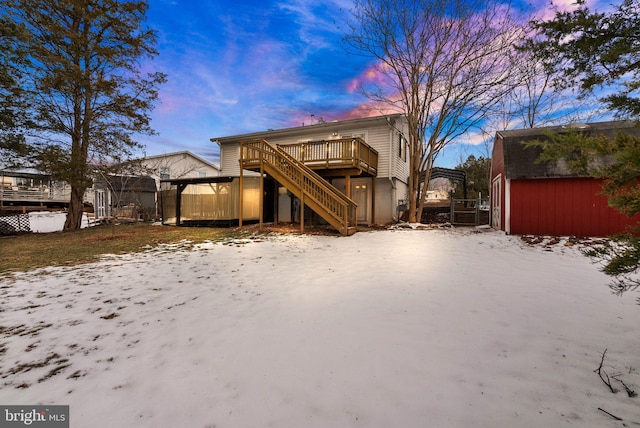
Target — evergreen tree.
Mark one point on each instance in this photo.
(477, 171)
(88, 92)
(13, 115)
(593, 50)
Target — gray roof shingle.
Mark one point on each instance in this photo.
(520, 161)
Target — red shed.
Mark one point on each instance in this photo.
(547, 198)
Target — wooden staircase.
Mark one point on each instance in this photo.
(312, 190)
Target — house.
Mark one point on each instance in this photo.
(529, 197)
(175, 165)
(342, 173)
(29, 189)
(436, 196)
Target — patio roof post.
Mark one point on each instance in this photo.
(240, 199)
(261, 198)
(179, 189)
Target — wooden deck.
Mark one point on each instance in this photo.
(344, 156)
(312, 190)
(34, 195)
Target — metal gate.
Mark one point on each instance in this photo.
(469, 212)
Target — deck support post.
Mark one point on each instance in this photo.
(261, 200)
(347, 190)
(276, 203)
(240, 199)
(373, 200)
(301, 211)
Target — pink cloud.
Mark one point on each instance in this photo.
(372, 75)
(369, 109)
(546, 11)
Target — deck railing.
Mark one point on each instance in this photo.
(333, 154)
(34, 194)
(321, 196)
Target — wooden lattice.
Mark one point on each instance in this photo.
(14, 224)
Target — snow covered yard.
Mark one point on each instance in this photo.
(384, 329)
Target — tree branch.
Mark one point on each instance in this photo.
(603, 375)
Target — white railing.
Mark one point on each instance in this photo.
(35, 194)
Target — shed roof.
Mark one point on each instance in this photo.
(520, 161)
(119, 183)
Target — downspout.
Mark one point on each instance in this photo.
(219, 151)
(394, 208)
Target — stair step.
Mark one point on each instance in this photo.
(288, 171)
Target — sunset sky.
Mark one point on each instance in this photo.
(244, 66)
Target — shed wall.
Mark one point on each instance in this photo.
(563, 206)
(497, 169)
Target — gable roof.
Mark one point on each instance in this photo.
(184, 152)
(331, 126)
(520, 161)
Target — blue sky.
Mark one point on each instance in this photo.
(240, 66)
(243, 66)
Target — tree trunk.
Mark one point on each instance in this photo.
(74, 216)
(413, 193)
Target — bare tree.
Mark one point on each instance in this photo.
(444, 64)
(535, 100)
(176, 167)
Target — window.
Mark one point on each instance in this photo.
(22, 181)
(402, 147)
(165, 173)
(202, 174)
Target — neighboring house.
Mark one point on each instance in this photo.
(27, 189)
(177, 165)
(24, 189)
(529, 197)
(125, 197)
(343, 172)
(434, 196)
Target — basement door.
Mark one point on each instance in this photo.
(360, 195)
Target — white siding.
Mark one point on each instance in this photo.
(229, 159)
(177, 165)
(401, 168)
(378, 138)
(393, 171)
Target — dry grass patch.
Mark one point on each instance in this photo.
(30, 251)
